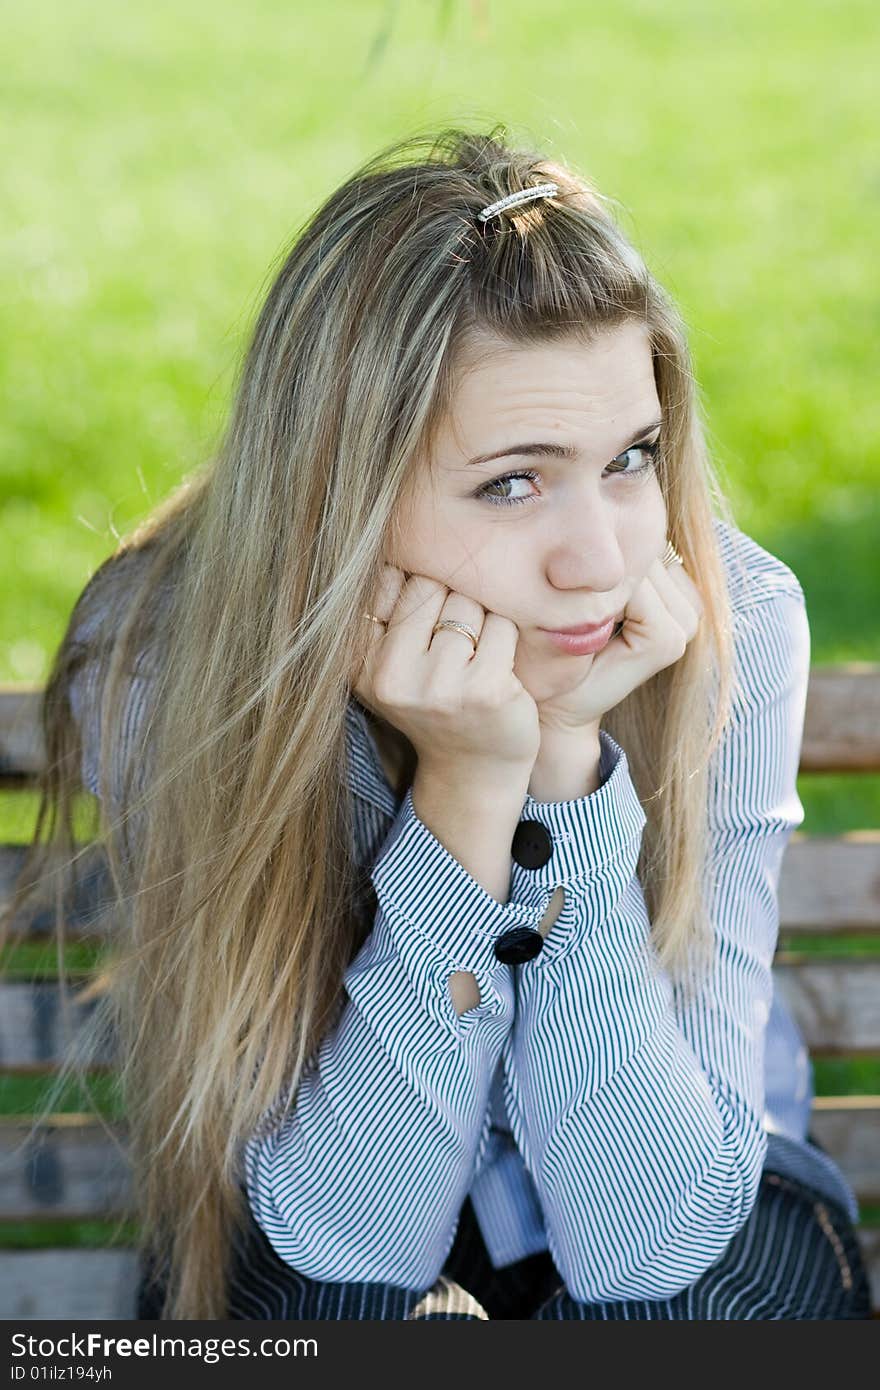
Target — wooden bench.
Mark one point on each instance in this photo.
(77, 1171)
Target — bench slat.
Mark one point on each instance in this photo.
(85, 917)
(842, 718)
(836, 1003)
(34, 1028)
(827, 883)
(841, 722)
(77, 1171)
(848, 1128)
(74, 1170)
(22, 751)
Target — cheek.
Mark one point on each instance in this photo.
(415, 536)
(645, 531)
(659, 508)
(444, 550)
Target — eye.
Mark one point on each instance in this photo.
(485, 490)
(649, 452)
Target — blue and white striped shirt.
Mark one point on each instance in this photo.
(582, 1104)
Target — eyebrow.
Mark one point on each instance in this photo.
(559, 451)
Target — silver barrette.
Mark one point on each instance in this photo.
(525, 195)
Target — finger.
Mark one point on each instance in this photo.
(650, 626)
(670, 583)
(423, 601)
(387, 593)
(407, 639)
(385, 596)
(456, 645)
(680, 594)
(417, 609)
(498, 643)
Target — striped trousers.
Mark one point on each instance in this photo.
(795, 1258)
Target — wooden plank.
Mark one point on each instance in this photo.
(35, 1028)
(842, 719)
(841, 722)
(831, 882)
(827, 883)
(848, 1128)
(22, 751)
(86, 911)
(68, 1284)
(835, 1002)
(77, 1169)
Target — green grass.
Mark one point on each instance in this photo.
(830, 944)
(38, 960)
(23, 1095)
(159, 159)
(832, 805)
(54, 1235)
(846, 1076)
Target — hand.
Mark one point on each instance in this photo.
(660, 620)
(458, 707)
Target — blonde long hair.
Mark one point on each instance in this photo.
(237, 913)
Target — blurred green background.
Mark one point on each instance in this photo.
(157, 161)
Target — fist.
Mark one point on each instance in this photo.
(661, 618)
(461, 707)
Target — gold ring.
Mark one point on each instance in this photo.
(454, 626)
(671, 556)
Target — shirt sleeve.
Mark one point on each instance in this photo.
(638, 1113)
(364, 1179)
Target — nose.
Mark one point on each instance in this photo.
(584, 550)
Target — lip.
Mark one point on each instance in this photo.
(584, 627)
(582, 643)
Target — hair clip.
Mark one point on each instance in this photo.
(525, 195)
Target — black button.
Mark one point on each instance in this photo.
(531, 846)
(517, 945)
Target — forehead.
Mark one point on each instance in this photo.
(572, 391)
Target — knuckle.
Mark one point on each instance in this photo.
(384, 684)
(442, 694)
(490, 700)
(471, 610)
(423, 583)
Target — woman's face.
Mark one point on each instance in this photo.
(575, 539)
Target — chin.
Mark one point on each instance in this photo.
(551, 677)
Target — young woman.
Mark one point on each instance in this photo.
(442, 970)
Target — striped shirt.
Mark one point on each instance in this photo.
(584, 1106)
